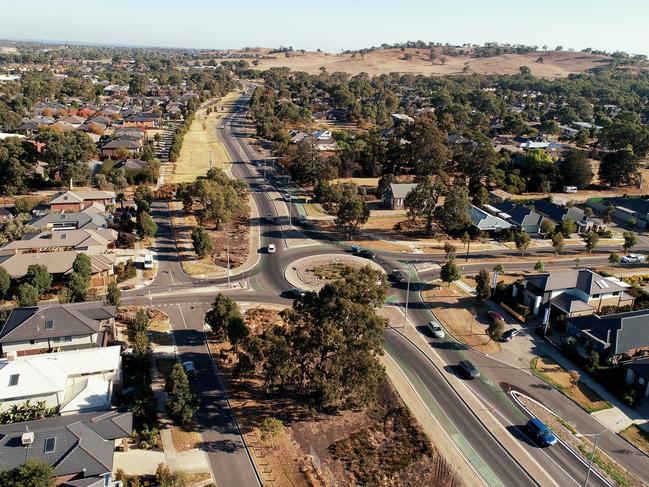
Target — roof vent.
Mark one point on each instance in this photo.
(27, 438)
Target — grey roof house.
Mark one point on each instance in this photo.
(523, 217)
(394, 196)
(617, 335)
(77, 220)
(573, 292)
(79, 448)
(38, 329)
(559, 213)
(637, 373)
(486, 222)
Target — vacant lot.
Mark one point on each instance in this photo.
(200, 141)
(548, 370)
(379, 446)
(556, 64)
(462, 315)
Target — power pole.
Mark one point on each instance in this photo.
(227, 246)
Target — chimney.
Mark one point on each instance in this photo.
(71, 184)
(11, 356)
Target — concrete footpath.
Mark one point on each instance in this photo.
(484, 412)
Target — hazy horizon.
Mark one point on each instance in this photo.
(336, 26)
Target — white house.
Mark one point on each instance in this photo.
(73, 381)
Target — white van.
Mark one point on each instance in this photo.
(570, 189)
(148, 261)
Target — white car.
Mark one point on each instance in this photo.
(271, 248)
(287, 197)
(632, 259)
(436, 329)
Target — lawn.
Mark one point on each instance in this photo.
(456, 310)
(637, 437)
(185, 439)
(551, 372)
(199, 141)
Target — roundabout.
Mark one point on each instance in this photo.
(311, 273)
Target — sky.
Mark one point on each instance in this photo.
(331, 25)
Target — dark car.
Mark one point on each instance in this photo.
(468, 369)
(296, 293)
(368, 254)
(355, 249)
(494, 316)
(541, 432)
(509, 334)
(397, 275)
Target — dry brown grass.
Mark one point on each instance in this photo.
(547, 369)
(556, 64)
(456, 310)
(637, 437)
(185, 439)
(199, 141)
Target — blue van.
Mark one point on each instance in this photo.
(541, 432)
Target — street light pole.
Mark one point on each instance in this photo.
(290, 198)
(405, 311)
(592, 456)
(227, 246)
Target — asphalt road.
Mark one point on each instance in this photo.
(186, 299)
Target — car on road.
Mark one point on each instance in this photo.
(190, 370)
(296, 293)
(271, 248)
(632, 259)
(540, 432)
(509, 334)
(367, 254)
(435, 329)
(397, 275)
(494, 316)
(468, 369)
(287, 197)
(270, 219)
(302, 220)
(355, 249)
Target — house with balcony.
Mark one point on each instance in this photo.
(573, 292)
(33, 330)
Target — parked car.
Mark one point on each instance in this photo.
(368, 254)
(541, 432)
(190, 370)
(509, 334)
(397, 275)
(436, 329)
(632, 259)
(494, 316)
(271, 248)
(468, 369)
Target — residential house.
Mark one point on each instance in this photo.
(79, 200)
(40, 329)
(321, 135)
(402, 118)
(394, 196)
(587, 126)
(626, 209)
(499, 196)
(142, 120)
(74, 381)
(559, 213)
(78, 220)
(116, 90)
(297, 136)
(617, 336)
(88, 241)
(80, 448)
(116, 146)
(487, 223)
(59, 264)
(523, 217)
(573, 292)
(637, 373)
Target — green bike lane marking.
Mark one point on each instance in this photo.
(462, 444)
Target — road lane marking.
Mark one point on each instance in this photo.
(180, 308)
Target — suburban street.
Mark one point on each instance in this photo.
(186, 299)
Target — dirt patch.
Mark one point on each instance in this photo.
(637, 437)
(185, 439)
(568, 383)
(463, 315)
(313, 449)
(582, 444)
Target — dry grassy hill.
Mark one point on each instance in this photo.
(556, 63)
